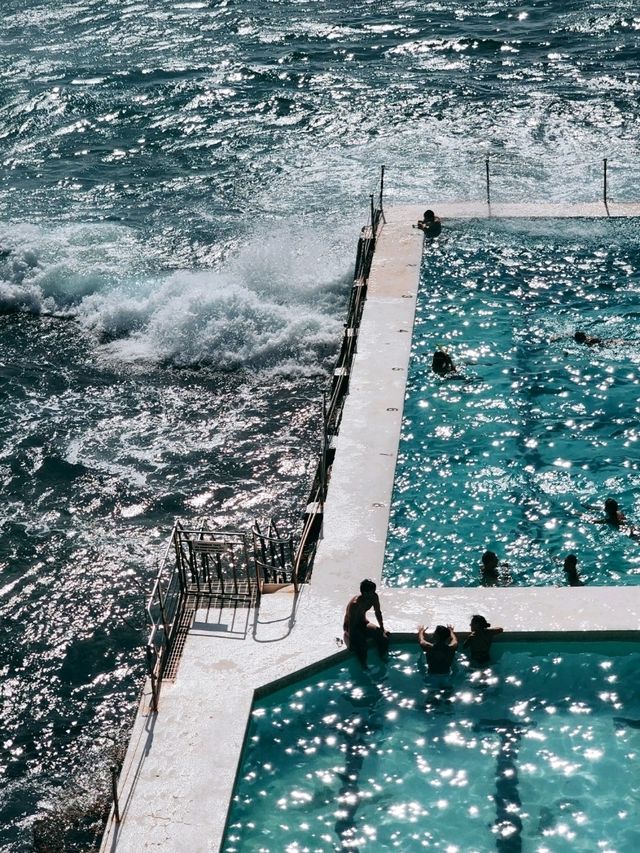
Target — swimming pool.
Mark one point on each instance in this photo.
(504, 458)
(537, 753)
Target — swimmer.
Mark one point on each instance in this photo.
(614, 516)
(358, 630)
(593, 341)
(442, 363)
(490, 563)
(588, 340)
(479, 640)
(430, 224)
(571, 570)
(441, 652)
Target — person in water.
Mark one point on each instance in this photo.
(614, 517)
(358, 630)
(478, 643)
(442, 363)
(490, 564)
(441, 651)
(587, 340)
(593, 341)
(571, 570)
(430, 224)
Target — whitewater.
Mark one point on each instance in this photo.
(182, 188)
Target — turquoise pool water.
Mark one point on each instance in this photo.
(536, 753)
(506, 458)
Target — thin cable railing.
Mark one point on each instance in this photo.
(597, 172)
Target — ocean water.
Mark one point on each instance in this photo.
(182, 185)
(514, 758)
(519, 450)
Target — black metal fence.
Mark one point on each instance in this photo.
(335, 394)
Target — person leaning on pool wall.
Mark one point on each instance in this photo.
(430, 224)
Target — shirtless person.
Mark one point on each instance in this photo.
(357, 629)
(441, 652)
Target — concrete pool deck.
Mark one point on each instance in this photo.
(179, 772)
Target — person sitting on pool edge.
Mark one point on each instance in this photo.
(442, 363)
(358, 630)
(441, 652)
(490, 563)
(571, 570)
(430, 224)
(479, 640)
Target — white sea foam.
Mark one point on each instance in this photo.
(278, 301)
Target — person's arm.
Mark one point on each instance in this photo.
(378, 612)
(424, 644)
(453, 642)
(495, 631)
(347, 618)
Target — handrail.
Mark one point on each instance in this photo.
(335, 395)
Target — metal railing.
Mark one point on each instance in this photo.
(335, 395)
(163, 613)
(273, 555)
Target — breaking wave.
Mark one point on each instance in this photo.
(275, 301)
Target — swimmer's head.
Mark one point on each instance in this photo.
(611, 506)
(479, 623)
(490, 560)
(429, 216)
(580, 337)
(570, 562)
(441, 633)
(367, 587)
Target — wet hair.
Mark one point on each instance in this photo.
(367, 585)
(442, 362)
(480, 622)
(441, 633)
(580, 337)
(429, 216)
(489, 557)
(611, 504)
(570, 562)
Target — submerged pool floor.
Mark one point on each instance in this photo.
(505, 456)
(536, 753)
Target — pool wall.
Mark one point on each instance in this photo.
(179, 773)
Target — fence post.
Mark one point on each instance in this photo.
(163, 613)
(114, 791)
(604, 188)
(486, 163)
(323, 450)
(151, 669)
(373, 221)
(381, 186)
